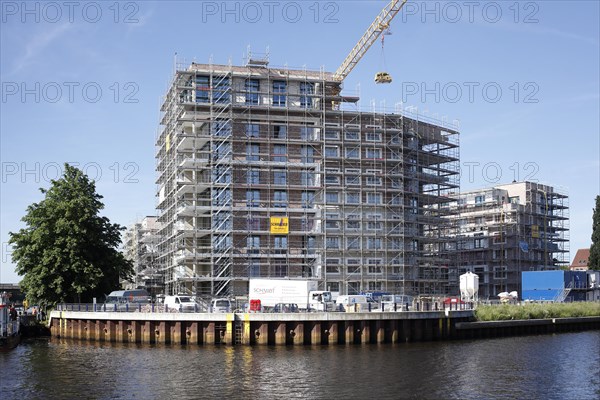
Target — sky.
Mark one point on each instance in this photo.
(82, 83)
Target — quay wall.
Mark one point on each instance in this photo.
(326, 328)
(330, 328)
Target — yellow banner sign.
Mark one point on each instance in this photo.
(535, 231)
(280, 225)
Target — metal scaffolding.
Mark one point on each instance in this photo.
(271, 172)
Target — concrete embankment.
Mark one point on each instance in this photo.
(474, 330)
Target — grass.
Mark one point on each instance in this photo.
(537, 311)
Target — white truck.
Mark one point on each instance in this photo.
(304, 293)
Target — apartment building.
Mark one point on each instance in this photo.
(508, 229)
(140, 245)
(274, 173)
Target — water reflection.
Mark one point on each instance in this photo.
(549, 367)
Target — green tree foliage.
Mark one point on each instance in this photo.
(594, 261)
(67, 252)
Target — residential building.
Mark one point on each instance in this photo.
(272, 172)
(508, 229)
(581, 260)
(140, 246)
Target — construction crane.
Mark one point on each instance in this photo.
(381, 24)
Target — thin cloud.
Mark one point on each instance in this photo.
(37, 45)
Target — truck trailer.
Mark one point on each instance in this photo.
(304, 293)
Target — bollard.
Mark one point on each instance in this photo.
(418, 306)
(195, 307)
(126, 307)
(369, 307)
(152, 307)
(115, 308)
(395, 306)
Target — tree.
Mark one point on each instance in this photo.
(67, 252)
(594, 260)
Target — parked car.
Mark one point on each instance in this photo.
(286, 308)
(126, 300)
(221, 306)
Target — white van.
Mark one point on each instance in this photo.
(221, 306)
(181, 303)
(353, 303)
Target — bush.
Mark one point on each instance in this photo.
(505, 312)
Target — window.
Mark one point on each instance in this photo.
(479, 199)
(254, 267)
(202, 89)
(279, 131)
(252, 198)
(373, 153)
(332, 242)
(307, 133)
(351, 135)
(353, 153)
(253, 177)
(280, 177)
(252, 152)
(280, 198)
(375, 286)
(373, 243)
(331, 151)
(307, 224)
(221, 89)
(353, 243)
(280, 242)
(352, 197)
(332, 198)
(308, 199)
(307, 154)
(280, 152)
(221, 128)
(373, 180)
(332, 180)
(307, 178)
(221, 222)
(253, 130)
(306, 89)
(373, 198)
(333, 135)
(395, 138)
(395, 183)
(479, 243)
(332, 221)
(221, 174)
(253, 224)
(375, 265)
(373, 137)
(352, 180)
(354, 225)
(222, 198)
(375, 223)
(253, 242)
(499, 272)
(279, 89)
(332, 266)
(252, 89)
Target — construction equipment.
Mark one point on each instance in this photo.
(377, 28)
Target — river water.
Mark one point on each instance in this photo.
(562, 366)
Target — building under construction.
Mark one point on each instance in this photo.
(140, 246)
(273, 172)
(508, 229)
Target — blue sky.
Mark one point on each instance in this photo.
(82, 83)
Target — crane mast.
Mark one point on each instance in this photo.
(379, 25)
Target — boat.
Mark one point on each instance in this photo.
(10, 330)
